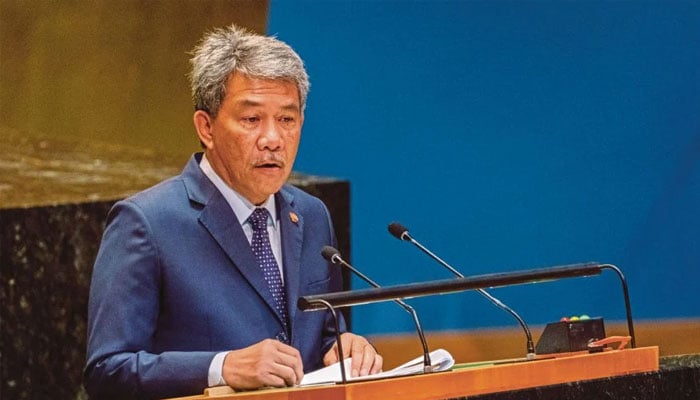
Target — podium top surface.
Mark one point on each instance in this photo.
(469, 379)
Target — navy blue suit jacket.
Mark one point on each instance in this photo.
(175, 282)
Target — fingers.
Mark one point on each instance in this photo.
(286, 365)
(296, 365)
(365, 359)
(331, 356)
(377, 365)
(358, 354)
(267, 363)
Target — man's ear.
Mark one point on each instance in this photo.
(203, 125)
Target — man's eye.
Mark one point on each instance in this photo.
(287, 120)
(250, 120)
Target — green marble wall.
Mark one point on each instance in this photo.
(111, 74)
(46, 260)
(94, 105)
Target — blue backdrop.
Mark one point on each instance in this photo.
(510, 135)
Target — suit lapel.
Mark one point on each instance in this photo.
(221, 222)
(292, 228)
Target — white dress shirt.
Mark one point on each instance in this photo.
(242, 208)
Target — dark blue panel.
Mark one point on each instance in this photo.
(510, 135)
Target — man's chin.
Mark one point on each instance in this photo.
(268, 188)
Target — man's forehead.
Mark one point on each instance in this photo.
(238, 79)
(251, 88)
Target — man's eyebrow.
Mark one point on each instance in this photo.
(291, 107)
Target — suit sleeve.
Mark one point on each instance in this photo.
(122, 317)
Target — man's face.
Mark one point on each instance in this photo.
(253, 141)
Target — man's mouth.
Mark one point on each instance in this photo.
(269, 164)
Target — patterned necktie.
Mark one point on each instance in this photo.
(266, 259)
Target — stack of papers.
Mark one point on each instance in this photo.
(440, 360)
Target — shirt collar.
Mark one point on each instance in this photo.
(241, 206)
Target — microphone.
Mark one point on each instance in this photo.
(401, 232)
(333, 255)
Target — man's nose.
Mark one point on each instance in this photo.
(270, 137)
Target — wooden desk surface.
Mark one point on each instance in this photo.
(473, 379)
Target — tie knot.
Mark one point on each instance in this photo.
(259, 219)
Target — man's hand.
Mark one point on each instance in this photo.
(365, 360)
(267, 363)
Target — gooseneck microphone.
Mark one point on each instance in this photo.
(401, 232)
(333, 255)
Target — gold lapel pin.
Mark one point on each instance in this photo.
(293, 217)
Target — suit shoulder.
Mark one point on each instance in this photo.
(160, 195)
(303, 199)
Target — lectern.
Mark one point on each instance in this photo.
(467, 379)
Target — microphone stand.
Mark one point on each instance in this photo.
(341, 361)
(401, 233)
(445, 286)
(625, 293)
(333, 255)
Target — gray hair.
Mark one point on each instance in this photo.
(229, 49)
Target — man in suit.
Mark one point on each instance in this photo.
(196, 280)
